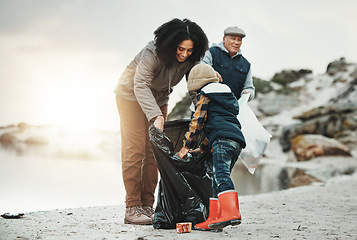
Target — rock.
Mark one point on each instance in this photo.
(329, 125)
(328, 110)
(36, 140)
(181, 109)
(262, 86)
(300, 178)
(336, 120)
(288, 76)
(349, 138)
(273, 104)
(310, 146)
(337, 66)
(22, 126)
(7, 139)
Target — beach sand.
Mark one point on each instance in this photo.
(322, 210)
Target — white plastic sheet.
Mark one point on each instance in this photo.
(256, 136)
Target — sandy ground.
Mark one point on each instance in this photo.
(323, 210)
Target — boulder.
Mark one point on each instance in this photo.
(301, 178)
(7, 139)
(337, 66)
(332, 125)
(288, 76)
(272, 104)
(336, 120)
(306, 147)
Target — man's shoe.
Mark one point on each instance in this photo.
(135, 215)
(149, 211)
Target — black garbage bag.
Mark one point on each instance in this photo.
(186, 184)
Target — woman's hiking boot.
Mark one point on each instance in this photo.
(136, 215)
(149, 211)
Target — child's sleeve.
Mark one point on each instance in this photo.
(197, 122)
(204, 144)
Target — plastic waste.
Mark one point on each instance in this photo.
(256, 136)
(13, 215)
(185, 185)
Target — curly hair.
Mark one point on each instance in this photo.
(170, 34)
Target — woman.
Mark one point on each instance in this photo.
(142, 95)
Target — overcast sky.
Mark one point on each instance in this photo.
(60, 60)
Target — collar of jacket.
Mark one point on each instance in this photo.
(221, 46)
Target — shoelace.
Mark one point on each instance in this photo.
(137, 210)
(150, 210)
(141, 210)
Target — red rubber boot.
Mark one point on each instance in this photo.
(230, 214)
(213, 214)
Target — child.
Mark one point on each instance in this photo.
(216, 114)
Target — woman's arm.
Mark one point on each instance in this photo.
(142, 80)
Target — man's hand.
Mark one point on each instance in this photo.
(184, 150)
(159, 122)
(247, 92)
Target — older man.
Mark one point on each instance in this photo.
(227, 59)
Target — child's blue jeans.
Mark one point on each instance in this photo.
(225, 155)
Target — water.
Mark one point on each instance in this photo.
(267, 178)
(30, 183)
(83, 168)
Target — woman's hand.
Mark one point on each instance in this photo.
(184, 150)
(219, 76)
(159, 122)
